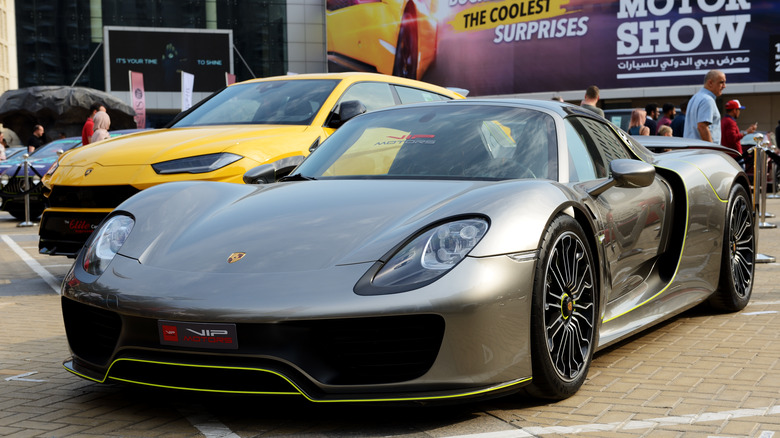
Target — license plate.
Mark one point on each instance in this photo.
(198, 335)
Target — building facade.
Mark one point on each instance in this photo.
(61, 42)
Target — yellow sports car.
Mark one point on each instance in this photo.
(387, 36)
(243, 126)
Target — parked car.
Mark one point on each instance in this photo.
(620, 117)
(441, 251)
(12, 181)
(238, 128)
(12, 188)
(12, 151)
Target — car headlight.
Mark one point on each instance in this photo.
(53, 168)
(425, 258)
(4, 179)
(36, 180)
(197, 164)
(106, 242)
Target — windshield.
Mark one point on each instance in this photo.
(50, 150)
(441, 141)
(284, 102)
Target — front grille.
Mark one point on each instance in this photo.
(335, 352)
(376, 350)
(92, 332)
(15, 188)
(90, 196)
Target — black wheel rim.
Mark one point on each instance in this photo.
(569, 308)
(741, 246)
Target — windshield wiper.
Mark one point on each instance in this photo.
(297, 177)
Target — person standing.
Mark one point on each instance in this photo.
(678, 122)
(102, 123)
(652, 113)
(3, 146)
(636, 126)
(36, 139)
(730, 133)
(702, 120)
(592, 95)
(89, 126)
(667, 115)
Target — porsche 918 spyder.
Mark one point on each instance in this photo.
(436, 251)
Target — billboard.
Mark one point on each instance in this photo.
(162, 54)
(527, 46)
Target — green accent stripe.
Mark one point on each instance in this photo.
(298, 390)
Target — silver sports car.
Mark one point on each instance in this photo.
(437, 251)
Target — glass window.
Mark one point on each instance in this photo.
(581, 166)
(602, 143)
(414, 95)
(373, 95)
(285, 102)
(449, 141)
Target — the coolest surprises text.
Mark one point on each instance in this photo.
(653, 37)
(518, 20)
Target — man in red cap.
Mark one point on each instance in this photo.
(730, 133)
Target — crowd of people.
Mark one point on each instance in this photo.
(698, 118)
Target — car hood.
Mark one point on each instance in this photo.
(17, 168)
(311, 225)
(154, 146)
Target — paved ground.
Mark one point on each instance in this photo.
(700, 374)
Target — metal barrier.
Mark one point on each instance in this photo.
(27, 222)
(759, 192)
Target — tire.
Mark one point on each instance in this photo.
(405, 63)
(564, 311)
(739, 254)
(35, 212)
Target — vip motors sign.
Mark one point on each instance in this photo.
(523, 46)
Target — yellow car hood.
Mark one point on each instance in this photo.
(169, 144)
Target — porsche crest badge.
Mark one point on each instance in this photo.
(88, 172)
(236, 256)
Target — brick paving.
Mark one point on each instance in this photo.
(700, 374)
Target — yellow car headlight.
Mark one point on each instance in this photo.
(196, 164)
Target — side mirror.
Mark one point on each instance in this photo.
(346, 110)
(269, 173)
(628, 174)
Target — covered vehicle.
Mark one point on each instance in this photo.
(244, 125)
(58, 108)
(427, 252)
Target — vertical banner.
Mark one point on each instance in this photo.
(229, 79)
(138, 97)
(187, 82)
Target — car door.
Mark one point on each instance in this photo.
(635, 221)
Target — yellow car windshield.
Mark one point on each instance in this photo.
(282, 102)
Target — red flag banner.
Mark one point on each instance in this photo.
(138, 98)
